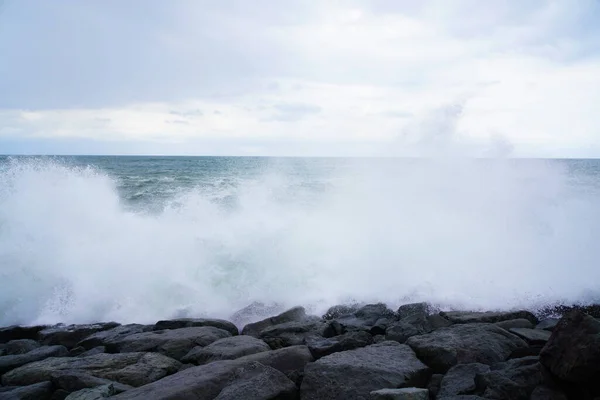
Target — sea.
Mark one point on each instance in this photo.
(138, 239)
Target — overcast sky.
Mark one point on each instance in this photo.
(300, 77)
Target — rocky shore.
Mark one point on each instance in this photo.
(351, 352)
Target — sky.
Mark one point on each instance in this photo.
(300, 77)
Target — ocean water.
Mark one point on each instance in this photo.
(137, 239)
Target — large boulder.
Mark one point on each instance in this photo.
(20, 346)
(356, 373)
(374, 318)
(460, 379)
(515, 323)
(223, 380)
(469, 317)
(134, 369)
(72, 381)
(464, 344)
(573, 352)
(292, 333)
(38, 391)
(19, 332)
(195, 322)
(228, 348)
(296, 314)
(532, 336)
(414, 324)
(289, 360)
(113, 335)
(548, 324)
(321, 347)
(8, 363)
(400, 394)
(512, 380)
(97, 393)
(70, 335)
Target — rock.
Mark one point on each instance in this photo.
(72, 381)
(289, 360)
(532, 336)
(374, 318)
(247, 380)
(354, 374)
(95, 350)
(291, 333)
(340, 310)
(254, 312)
(546, 393)
(8, 363)
(97, 393)
(434, 385)
(511, 380)
(460, 379)
(592, 310)
(112, 335)
(60, 394)
(547, 324)
(573, 352)
(466, 317)
(407, 310)
(379, 338)
(461, 397)
(70, 335)
(228, 348)
(415, 324)
(532, 350)
(321, 347)
(19, 332)
(38, 391)
(135, 369)
(296, 314)
(464, 344)
(515, 323)
(77, 351)
(333, 328)
(195, 322)
(174, 343)
(400, 394)
(20, 346)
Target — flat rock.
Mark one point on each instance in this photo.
(195, 322)
(20, 346)
(291, 333)
(460, 379)
(400, 394)
(515, 323)
(228, 348)
(296, 314)
(70, 335)
(72, 381)
(8, 363)
(465, 344)
(511, 380)
(19, 332)
(532, 336)
(113, 335)
(573, 351)
(548, 324)
(97, 393)
(174, 343)
(38, 391)
(134, 369)
(321, 347)
(228, 378)
(289, 360)
(354, 374)
(467, 317)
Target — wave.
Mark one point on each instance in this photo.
(462, 233)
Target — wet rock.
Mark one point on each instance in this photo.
(511, 380)
(289, 360)
(254, 312)
(413, 325)
(407, 310)
(548, 324)
(340, 310)
(532, 350)
(291, 333)
(20, 346)
(573, 352)
(467, 317)
(196, 322)
(461, 397)
(97, 393)
(356, 373)
(38, 391)
(532, 336)
(134, 369)
(434, 385)
(400, 394)
(19, 332)
(321, 347)
(72, 381)
(113, 335)
(374, 318)
(460, 379)
(250, 380)
(546, 393)
(515, 323)
(296, 314)
(8, 363)
(379, 338)
(95, 350)
(228, 348)
(174, 343)
(464, 344)
(70, 335)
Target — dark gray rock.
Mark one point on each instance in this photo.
(434, 385)
(413, 325)
(468, 317)
(321, 347)
(228, 348)
(296, 314)
(134, 369)
(532, 336)
(511, 380)
(195, 322)
(546, 393)
(72, 381)
(379, 338)
(356, 373)
(174, 343)
(207, 382)
(8, 363)
(400, 394)
(374, 318)
(20, 346)
(289, 360)
(340, 310)
(462, 397)
(113, 335)
(460, 379)
(515, 323)
(93, 351)
(19, 332)
(573, 352)
(38, 391)
(291, 333)
(422, 309)
(97, 393)
(548, 324)
(464, 344)
(70, 335)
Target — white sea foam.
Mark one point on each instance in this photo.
(461, 233)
